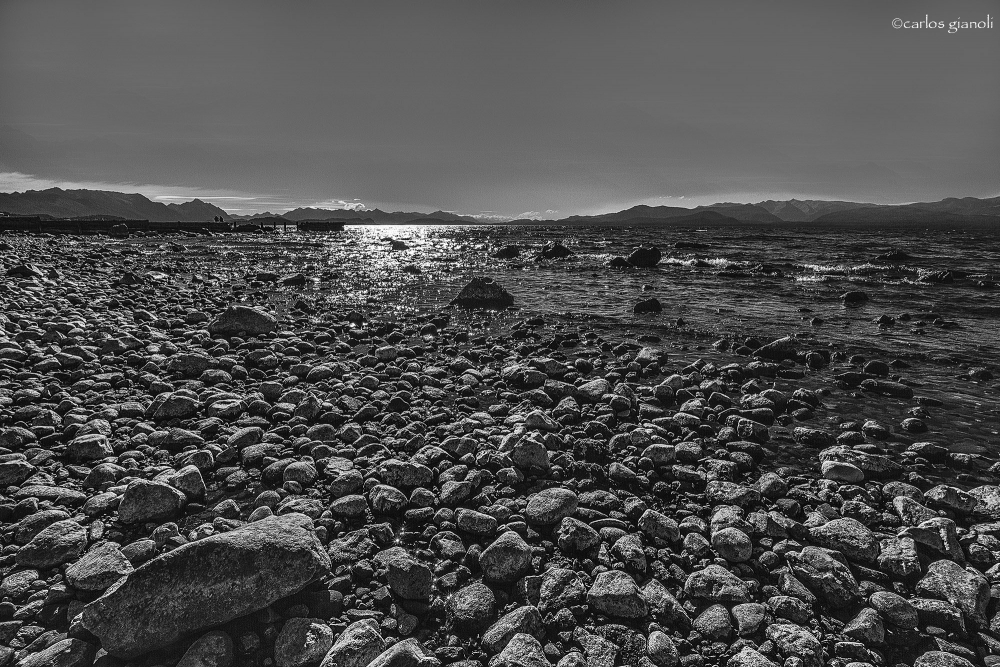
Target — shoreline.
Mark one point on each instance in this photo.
(460, 468)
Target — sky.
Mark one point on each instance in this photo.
(542, 108)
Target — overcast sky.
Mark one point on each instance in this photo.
(555, 107)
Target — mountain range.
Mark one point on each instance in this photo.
(377, 216)
(59, 203)
(950, 210)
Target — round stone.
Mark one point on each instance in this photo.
(302, 641)
(840, 471)
(733, 544)
(473, 608)
(550, 506)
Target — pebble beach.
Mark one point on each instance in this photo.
(206, 461)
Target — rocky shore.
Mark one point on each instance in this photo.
(194, 475)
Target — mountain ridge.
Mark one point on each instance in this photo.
(60, 203)
(82, 203)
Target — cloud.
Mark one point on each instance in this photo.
(489, 216)
(354, 205)
(528, 215)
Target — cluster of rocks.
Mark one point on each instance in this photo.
(190, 481)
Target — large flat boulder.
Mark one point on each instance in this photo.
(207, 582)
(242, 319)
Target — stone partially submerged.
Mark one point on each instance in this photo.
(645, 257)
(205, 583)
(237, 320)
(484, 293)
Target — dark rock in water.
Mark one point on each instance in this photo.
(398, 245)
(648, 306)
(887, 388)
(894, 256)
(555, 250)
(645, 257)
(483, 293)
(207, 582)
(119, 231)
(783, 348)
(293, 280)
(875, 466)
(242, 319)
(620, 263)
(851, 298)
(508, 252)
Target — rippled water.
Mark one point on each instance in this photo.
(735, 281)
(742, 280)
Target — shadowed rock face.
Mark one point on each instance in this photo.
(645, 257)
(484, 293)
(205, 583)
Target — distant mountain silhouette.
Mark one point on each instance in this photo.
(378, 216)
(807, 210)
(633, 213)
(966, 209)
(197, 210)
(740, 212)
(60, 203)
(639, 215)
(902, 214)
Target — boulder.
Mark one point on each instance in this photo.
(57, 543)
(242, 319)
(483, 293)
(301, 642)
(507, 559)
(963, 587)
(408, 653)
(614, 593)
(555, 250)
(99, 568)
(550, 506)
(359, 644)
(522, 651)
(645, 257)
(205, 583)
(717, 584)
(70, 652)
(651, 305)
(472, 608)
(525, 620)
(144, 501)
(826, 576)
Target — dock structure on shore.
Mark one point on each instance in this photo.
(118, 227)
